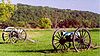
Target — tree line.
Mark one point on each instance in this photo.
(22, 15)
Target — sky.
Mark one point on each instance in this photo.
(84, 5)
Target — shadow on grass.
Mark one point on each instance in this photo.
(44, 51)
(50, 50)
(4, 42)
(41, 51)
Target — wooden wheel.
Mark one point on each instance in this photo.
(59, 41)
(5, 36)
(81, 39)
(21, 34)
(13, 36)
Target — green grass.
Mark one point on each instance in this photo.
(43, 46)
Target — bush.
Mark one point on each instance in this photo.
(44, 23)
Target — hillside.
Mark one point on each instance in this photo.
(28, 16)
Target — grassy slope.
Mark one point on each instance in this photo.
(43, 46)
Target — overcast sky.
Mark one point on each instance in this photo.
(84, 5)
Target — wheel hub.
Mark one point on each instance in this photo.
(62, 41)
(82, 41)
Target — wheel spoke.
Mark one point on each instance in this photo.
(13, 39)
(58, 45)
(56, 39)
(66, 45)
(86, 44)
(6, 38)
(56, 42)
(61, 33)
(61, 47)
(57, 36)
(80, 33)
(84, 34)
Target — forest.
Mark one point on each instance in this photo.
(22, 15)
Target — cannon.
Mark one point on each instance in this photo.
(12, 34)
(77, 40)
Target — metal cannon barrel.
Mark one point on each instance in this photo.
(70, 33)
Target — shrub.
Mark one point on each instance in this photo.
(44, 23)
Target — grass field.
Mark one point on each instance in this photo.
(43, 46)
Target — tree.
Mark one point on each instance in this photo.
(6, 12)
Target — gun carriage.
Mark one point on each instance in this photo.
(12, 34)
(80, 39)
